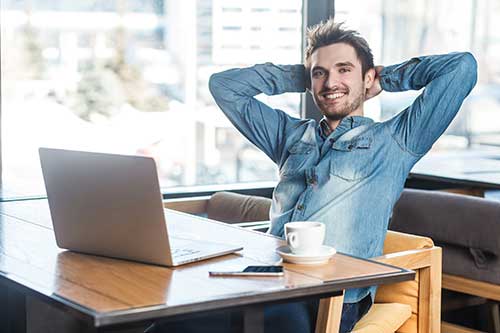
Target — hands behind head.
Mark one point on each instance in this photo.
(376, 88)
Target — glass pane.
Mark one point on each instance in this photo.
(398, 30)
(131, 77)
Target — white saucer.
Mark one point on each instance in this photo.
(323, 256)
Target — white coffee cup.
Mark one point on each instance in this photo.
(305, 238)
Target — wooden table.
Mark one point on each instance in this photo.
(102, 292)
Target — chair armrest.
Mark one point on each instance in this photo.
(398, 241)
(410, 259)
(192, 205)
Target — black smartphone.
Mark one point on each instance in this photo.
(252, 271)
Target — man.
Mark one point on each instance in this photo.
(347, 170)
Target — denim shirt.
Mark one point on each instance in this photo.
(350, 179)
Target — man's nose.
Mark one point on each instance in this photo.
(332, 81)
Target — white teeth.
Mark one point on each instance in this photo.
(334, 96)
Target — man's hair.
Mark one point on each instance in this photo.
(327, 33)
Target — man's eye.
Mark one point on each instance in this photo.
(318, 73)
(344, 70)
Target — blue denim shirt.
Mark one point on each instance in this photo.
(351, 179)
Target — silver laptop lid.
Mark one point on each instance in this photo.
(106, 204)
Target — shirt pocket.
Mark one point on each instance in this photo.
(352, 159)
(298, 154)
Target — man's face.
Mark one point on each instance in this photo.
(337, 85)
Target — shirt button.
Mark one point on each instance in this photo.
(300, 207)
(387, 80)
(350, 147)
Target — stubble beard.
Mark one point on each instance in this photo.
(345, 111)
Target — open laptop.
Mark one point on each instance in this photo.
(111, 205)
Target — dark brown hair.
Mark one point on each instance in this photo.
(327, 33)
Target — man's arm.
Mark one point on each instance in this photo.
(234, 91)
(447, 79)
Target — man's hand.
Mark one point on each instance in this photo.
(376, 88)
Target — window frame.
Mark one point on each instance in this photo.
(314, 11)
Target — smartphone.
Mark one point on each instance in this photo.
(253, 271)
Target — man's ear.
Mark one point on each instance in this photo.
(369, 78)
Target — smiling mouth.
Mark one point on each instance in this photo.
(334, 96)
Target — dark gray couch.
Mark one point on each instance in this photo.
(467, 228)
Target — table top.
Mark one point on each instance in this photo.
(105, 291)
(479, 168)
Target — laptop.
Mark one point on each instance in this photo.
(111, 205)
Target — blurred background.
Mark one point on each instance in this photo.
(131, 76)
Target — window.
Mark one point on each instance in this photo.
(131, 76)
(260, 10)
(231, 9)
(398, 30)
(287, 10)
(234, 28)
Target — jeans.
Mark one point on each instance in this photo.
(297, 317)
(353, 312)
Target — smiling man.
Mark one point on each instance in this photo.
(346, 171)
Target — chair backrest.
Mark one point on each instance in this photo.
(422, 293)
(234, 208)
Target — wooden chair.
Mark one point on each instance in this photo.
(406, 307)
(422, 295)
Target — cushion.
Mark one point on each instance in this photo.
(471, 264)
(383, 318)
(449, 218)
(404, 293)
(234, 208)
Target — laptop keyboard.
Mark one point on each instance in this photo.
(180, 252)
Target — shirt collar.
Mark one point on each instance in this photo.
(323, 128)
(346, 124)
